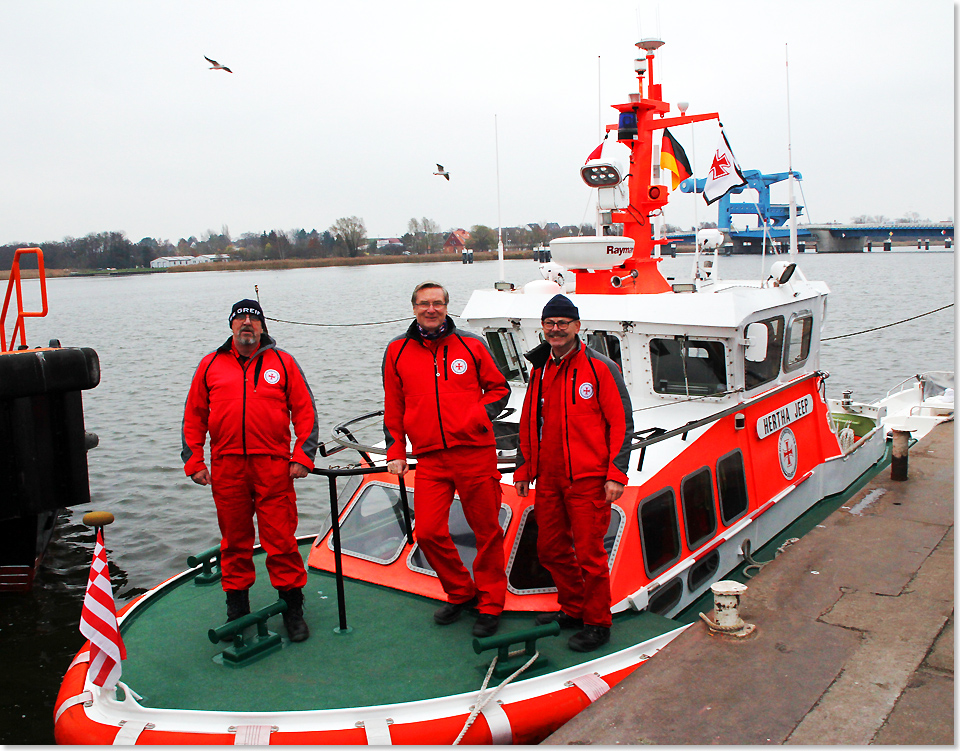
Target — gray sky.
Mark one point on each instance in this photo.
(113, 121)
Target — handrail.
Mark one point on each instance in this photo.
(14, 283)
(332, 473)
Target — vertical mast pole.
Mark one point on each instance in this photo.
(793, 202)
(496, 142)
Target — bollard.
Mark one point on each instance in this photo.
(869, 246)
(901, 452)
(726, 609)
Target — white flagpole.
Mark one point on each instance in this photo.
(496, 141)
(793, 202)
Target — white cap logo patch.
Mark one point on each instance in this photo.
(459, 366)
(271, 376)
(586, 390)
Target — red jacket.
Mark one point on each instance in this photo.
(246, 407)
(596, 417)
(440, 393)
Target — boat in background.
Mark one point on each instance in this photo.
(736, 447)
(43, 444)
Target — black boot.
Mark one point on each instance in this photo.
(238, 603)
(293, 616)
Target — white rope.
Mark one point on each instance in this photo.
(482, 701)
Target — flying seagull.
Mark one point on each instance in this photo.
(442, 172)
(214, 65)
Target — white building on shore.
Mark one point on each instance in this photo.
(164, 262)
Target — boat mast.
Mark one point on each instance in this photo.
(793, 202)
(639, 118)
(496, 142)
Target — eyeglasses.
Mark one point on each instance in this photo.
(559, 325)
(425, 304)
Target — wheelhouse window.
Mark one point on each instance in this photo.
(462, 537)
(506, 352)
(659, 532)
(374, 528)
(760, 371)
(688, 366)
(345, 491)
(732, 486)
(696, 498)
(797, 340)
(526, 575)
(606, 344)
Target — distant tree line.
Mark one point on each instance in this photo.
(346, 237)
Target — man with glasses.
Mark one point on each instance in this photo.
(575, 431)
(245, 394)
(442, 390)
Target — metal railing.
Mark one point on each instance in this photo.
(332, 473)
(14, 284)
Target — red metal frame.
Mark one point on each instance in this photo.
(14, 283)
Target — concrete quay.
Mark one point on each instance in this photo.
(853, 644)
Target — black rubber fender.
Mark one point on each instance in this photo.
(44, 371)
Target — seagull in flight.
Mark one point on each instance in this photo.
(214, 65)
(442, 172)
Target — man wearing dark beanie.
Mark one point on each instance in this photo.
(575, 431)
(245, 394)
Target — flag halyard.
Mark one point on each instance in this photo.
(98, 622)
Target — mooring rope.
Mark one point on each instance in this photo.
(478, 707)
(758, 565)
(888, 325)
(336, 325)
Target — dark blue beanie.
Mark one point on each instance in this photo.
(560, 307)
(244, 307)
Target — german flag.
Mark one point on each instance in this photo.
(673, 158)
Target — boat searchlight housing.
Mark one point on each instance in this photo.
(607, 172)
(596, 174)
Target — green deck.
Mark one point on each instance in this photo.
(393, 653)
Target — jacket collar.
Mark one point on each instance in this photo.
(266, 342)
(539, 355)
(413, 331)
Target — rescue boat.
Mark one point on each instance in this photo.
(736, 449)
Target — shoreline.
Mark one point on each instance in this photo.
(307, 263)
(272, 265)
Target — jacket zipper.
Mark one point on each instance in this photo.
(436, 390)
(566, 427)
(243, 412)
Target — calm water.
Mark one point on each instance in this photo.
(151, 331)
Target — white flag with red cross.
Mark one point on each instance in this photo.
(724, 174)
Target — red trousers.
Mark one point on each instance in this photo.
(572, 519)
(472, 473)
(261, 485)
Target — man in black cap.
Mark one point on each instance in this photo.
(245, 394)
(575, 431)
